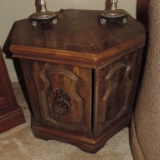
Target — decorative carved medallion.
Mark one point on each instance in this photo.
(61, 104)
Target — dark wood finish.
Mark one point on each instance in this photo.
(81, 76)
(142, 11)
(10, 113)
(108, 4)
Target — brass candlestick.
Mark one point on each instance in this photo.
(44, 16)
(113, 15)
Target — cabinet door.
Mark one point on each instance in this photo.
(63, 93)
(7, 97)
(116, 91)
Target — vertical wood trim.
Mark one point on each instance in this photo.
(107, 4)
(142, 11)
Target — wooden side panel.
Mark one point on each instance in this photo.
(65, 96)
(2, 101)
(116, 90)
(7, 97)
(11, 114)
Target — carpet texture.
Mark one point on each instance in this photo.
(19, 143)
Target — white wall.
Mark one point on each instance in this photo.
(13, 10)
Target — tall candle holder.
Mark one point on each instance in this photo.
(43, 16)
(113, 14)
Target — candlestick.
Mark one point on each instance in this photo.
(113, 15)
(44, 16)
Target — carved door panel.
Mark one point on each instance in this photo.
(65, 96)
(116, 95)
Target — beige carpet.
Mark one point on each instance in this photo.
(20, 144)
